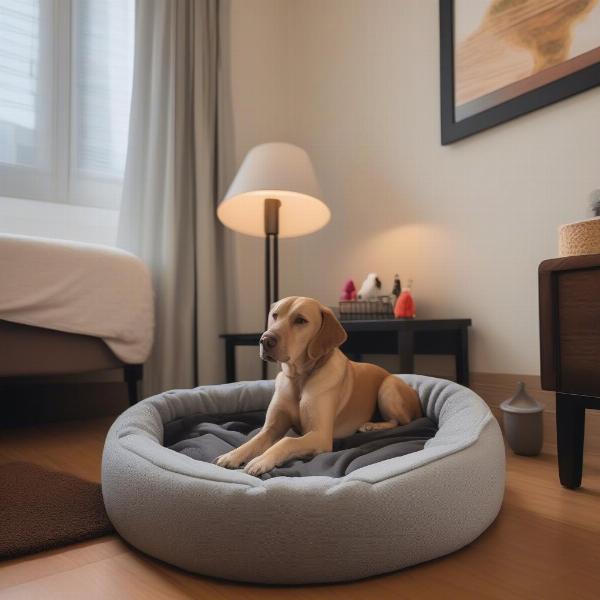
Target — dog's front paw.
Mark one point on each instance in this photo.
(259, 465)
(231, 460)
(366, 427)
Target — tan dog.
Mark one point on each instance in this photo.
(319, 392)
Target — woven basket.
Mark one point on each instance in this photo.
(579, 238)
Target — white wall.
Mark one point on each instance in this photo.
(356, 83)
(256, 58)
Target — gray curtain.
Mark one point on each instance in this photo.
(171, 186)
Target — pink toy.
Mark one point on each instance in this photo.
(349, 291)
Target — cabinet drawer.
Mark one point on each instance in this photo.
(570, 325)
(579, 331)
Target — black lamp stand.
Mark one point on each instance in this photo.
(272, 206)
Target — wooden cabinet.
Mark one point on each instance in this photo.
(569, 291)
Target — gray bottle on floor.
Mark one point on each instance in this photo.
(523, 422)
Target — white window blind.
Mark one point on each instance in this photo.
(66, 69)
(19, 70)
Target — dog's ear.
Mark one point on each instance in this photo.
(330, 335)
(273, 307)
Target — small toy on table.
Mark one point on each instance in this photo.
(397, 288)
(405, 305)
(370, 287)
(349, 291)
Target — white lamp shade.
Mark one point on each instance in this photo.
(281, 171)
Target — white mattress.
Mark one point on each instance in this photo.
(78, 288)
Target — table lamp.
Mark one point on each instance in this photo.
(275, 194)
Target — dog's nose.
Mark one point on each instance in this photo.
(268, 341)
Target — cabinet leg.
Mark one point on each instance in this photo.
(570, 428)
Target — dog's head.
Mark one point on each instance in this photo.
(300, 329)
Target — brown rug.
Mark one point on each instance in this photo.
(42, 509)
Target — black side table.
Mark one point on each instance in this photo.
(403, 337)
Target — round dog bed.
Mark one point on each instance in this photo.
(378, 518)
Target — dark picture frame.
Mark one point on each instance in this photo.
(453, 130)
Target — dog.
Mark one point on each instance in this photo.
(319, 392)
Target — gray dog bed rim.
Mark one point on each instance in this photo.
(377, 519)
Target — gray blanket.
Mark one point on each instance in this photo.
(205, 437)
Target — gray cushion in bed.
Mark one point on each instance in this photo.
(378, 518)
(205, 438)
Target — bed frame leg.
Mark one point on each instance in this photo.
(133, 376)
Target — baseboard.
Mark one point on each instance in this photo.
(494, 388)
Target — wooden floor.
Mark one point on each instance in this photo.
(545, 543)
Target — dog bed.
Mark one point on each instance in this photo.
(207, 437)
(392, 513)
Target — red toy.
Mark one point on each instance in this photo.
(349, 291)
(405, 305)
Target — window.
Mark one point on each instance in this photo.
(66, 69)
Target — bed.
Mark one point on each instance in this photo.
(68, 307)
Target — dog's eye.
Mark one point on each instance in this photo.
(300, 321)
(274, 316)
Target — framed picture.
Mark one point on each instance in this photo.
(500, 59)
